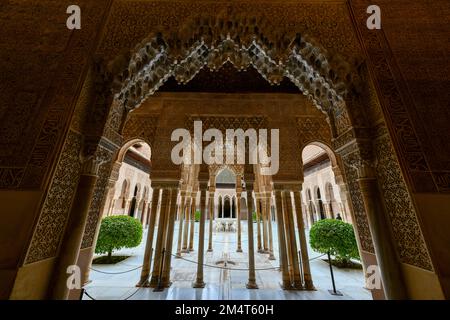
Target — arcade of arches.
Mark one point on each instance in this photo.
(98, 100)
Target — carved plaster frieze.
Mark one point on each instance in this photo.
(313, 129)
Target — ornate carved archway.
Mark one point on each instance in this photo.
(208, 41)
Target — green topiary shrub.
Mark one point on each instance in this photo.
(337, 237)
(117, 232)
(197, 216)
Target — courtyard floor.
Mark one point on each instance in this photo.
(221, 284)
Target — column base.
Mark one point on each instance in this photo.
(153, 283)
(239, 250)
(272, 257)
(309, 286)
(185, 251)
(261, 251)
(87, 282)
(197, 284)
(143, 284)
(209, 250)
(285, 286)
(252, 285)
(158, 289)
(178, 255)
(166, 285)
(297, 286)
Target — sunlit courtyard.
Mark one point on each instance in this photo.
(224, 281)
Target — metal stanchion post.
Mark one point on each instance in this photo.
(81, 293)
(334, 292)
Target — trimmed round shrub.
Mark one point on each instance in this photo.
(335, 236)
(117, 232)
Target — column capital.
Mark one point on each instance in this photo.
(288, 185)
(364, 169)
(91, 160)
(91, 166)
(165, 184)
(184, 193)
(266, 194)
(203, 185)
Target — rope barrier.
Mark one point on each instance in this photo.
(121, 272)
(92, 298)
(191, 261)
(223, 268)
(317, 257)
(206, 265)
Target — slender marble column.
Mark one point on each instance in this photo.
(145, 272)
(126, 210)
(286, 284)
(211, 217)
(199, 283)
(180, 224)
(307, 279)
(258, 222)
(73, 234)
(160, 239)
(239, 243)
(296, 279)
(288, 237)
(187, 216)
(111, 207)
(165, 282)
(251, 284)
(146, 212)
(343, 192)
(264, 225)
(307, 222)
(393, 285)
(192, 227)
(269, 226)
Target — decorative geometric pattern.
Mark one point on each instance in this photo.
(223, 123)
(52, 221)
(35, 109)
(141, 127)
(394, 103)
(313, 129)
(407, 233)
